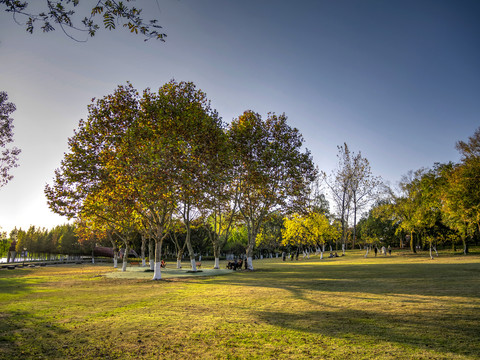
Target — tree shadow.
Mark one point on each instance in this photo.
(25, 336)
(438, 332)
(451, 280)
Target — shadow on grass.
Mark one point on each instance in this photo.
(39, 338)
(13, 282)
(438, 332)
(428, 279)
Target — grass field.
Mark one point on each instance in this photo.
(398, 307)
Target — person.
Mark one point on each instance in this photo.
(12, 253)
(389, 250)
(336, 255)
(331, 255)
(163, 264)
(284, 256)
(376, 250)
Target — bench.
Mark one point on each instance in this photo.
(134, 263)
(198, 264)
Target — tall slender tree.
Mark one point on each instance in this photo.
(272, 173)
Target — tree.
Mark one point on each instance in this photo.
(340, 184)
(313, 229)
(353, 187)
(461, 199)
(193, 134)
(220, 211)
(404, 208)
(138, 159)
(362, 186)
(8, 156)
(64, 14)
(271, 171)
(270, 235)
(378, 225)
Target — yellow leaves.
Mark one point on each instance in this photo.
(311, 229)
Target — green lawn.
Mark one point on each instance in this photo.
(398, 307)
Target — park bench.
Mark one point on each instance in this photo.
(134, 263)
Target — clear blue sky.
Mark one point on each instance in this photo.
(397, 80)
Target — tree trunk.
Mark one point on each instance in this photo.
(142, 251)
(412, 244)
(465, 246)
(179, 258)
(354, 223)
(216, 254)
(251, 243)
(368, 248)
(190, 250)
(151, 254)
(125, 257)
(157, 274)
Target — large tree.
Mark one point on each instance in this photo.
(9, 155)
(272, 172)
(145, 156)
(48, 14)
(118, 168)
(196, 137)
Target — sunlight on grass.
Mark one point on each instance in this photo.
(399, 307)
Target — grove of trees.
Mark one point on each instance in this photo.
(141, 163)
(162, 173)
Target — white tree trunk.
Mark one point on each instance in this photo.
(343, 248)
(115, 262)
(179, 264)
(366, 254)
(144, 263)
(152, 264)
(249, 263)
(194, 265)
(157, 274)
(217, 263)
(431, 256)
(124, 264)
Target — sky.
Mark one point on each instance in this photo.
(398, 81)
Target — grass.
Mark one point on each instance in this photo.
(398, 307)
